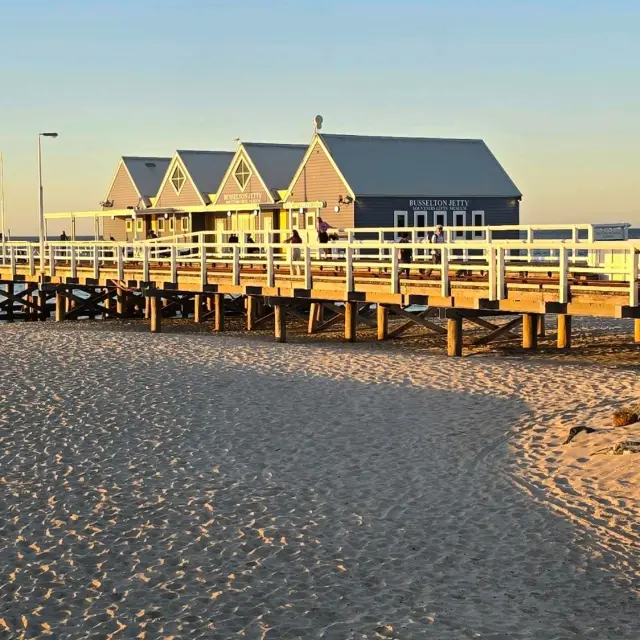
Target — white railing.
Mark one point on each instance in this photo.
(309, 263)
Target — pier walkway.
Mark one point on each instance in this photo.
(354, 279)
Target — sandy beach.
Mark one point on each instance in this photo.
(189, 485)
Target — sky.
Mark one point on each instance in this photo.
(553, 87)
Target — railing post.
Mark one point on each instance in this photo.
(52, 260)
(307, 267)
(348, 255)
(32, 262)
(145, 263)
(564, 275)
(174, 270)
(120, 253)
(633, 278)
(203, 263)
(493, 282)
(96, 261)
(395, 272)
(444, 273)
(74, 265)
(500, 274)
(271, 281)
(12, 258)
(236, 265)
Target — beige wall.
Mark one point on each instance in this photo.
(319, 181)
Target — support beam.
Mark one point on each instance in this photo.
(252, 312)
(280, 315)
(350, 321)
(541, 326)
(61, 306)
(218, 306)
(316, 316)
(197, 309)
(500, 331)
(454, 337)
(564, 331)
(382, 316)
(636, 330)
(530, 331)
(156, 315)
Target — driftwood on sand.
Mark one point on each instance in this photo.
(626, 446)
(574, 431)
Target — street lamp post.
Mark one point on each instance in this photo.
(41, 197)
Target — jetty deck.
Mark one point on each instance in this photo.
(352, 280)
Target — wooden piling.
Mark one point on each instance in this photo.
(541, 326)
(251, 307)
(10, 302)
(530, 331)
(280, 315)
(197, 308)
(350, 321)
(121, 302)
(454, 337)
(315, 317)
(564, 331)
(156, 315)
(382, 315)
(218, 305)
(636, 330)
(61, 306)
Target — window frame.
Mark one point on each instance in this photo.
(439, 217)
(160, 223)
(456, 216)
(184, 223)
(177, 169)
(139, 225)
(248, 173)
(172, 225)
(478, 235)
(397, 215)
(129, 225)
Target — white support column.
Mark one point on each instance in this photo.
(500, 274)
(395, 272)
(74, 262)
(563, 293)
(270, 266)
(12, 259)
(444, 273)
(307, 267)
(145, 263)
(491, 254)
(348, 254)
(236, 265)
(203, 262)
(174, 269)
(96, 261)
(120, 253)
(633, 278)
(32, 262)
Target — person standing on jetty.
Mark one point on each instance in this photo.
(322, 228)
(295, 252)
(405, 254)
(437, 238)
(63, 236)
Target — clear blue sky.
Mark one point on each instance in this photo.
(552, 86)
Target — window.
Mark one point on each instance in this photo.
(242, 174)
(139, 224)
(130, 226)
(458, 221)
(184, 223)
(400, 220)
(177, 179)
(477, 218)
(172, 224)
(439, 217)
(160, 224)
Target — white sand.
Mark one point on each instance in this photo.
(211, 486)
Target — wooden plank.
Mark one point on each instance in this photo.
(280, 315)
(454, 337)
(417, 319)
(497, 333)
(314, 317)
(341, 310)
(382, 316)
(530, 331)
(564, 331)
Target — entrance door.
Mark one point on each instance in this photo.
(421, 234)
(400, 221)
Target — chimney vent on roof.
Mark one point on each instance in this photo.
(151, 165)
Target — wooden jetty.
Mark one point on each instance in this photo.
(362, 281)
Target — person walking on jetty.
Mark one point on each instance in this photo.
(405, 254)
(322, 228)
(295, 252)
(437, 238)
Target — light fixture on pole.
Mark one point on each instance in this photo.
(41, 197)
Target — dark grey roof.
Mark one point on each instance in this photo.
(384, 166)
(276, 163)
(146, 173)
(207, 168)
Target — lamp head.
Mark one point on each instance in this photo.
(49, 135)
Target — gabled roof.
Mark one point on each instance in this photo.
(386, 166)
(206, 168)
(276, 163)
(146, 173)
